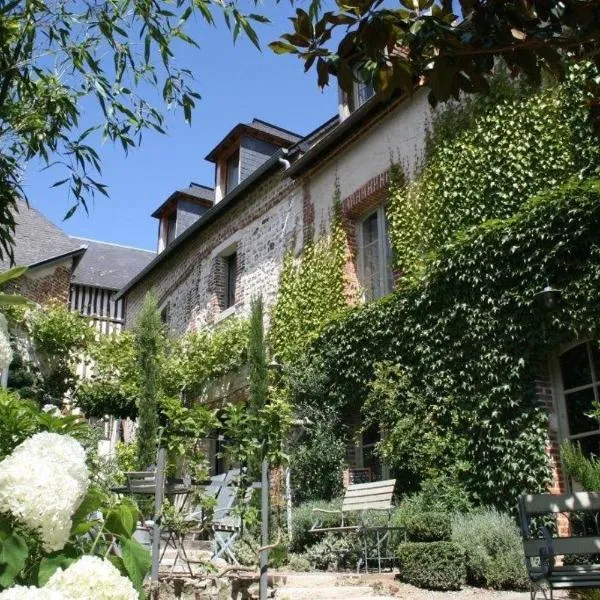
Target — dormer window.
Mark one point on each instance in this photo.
(243, 150)
(171, 227)
(362, 92)
(232, 177)
(181, 210)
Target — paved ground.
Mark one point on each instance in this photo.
(326, 586)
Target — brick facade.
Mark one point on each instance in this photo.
(51, 283)
(262, 226)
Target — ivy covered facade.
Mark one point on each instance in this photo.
(400, 254)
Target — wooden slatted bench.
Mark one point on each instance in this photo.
(358, 499)
(544, 548)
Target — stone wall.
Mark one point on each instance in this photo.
(261, 227)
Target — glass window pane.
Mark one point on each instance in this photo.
(589, 445)
(233, 172)
(370, 258)
(369, 227)
(575, 367)
(579, 406)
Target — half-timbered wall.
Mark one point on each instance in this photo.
(106, 313)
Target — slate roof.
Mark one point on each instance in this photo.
(202, 193)
(37, 239)
(108, 265)
(256, 128)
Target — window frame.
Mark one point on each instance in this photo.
(560, 393)
(385, 286)
(234, 154)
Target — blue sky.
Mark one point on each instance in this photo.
(237, 83)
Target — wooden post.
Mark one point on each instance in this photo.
(158, 502)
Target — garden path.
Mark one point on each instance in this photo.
(329, 586)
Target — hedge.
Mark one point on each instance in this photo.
(433, 565)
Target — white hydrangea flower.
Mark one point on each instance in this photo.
(92, 578)
(6, 353)
(42, 483)
(20, 592)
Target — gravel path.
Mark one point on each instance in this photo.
(329, 586)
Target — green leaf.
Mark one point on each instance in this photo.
(50, 564)
(137, 561)
(11, 274)
(13, 554)
(14, 300)
(283, 48)
(121, 519)
(92, 501)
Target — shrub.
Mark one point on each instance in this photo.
(302, 520)
(428, 527)
(316, 464)
(298, 562)
(493, 549)
(334, 552)
(433, 565)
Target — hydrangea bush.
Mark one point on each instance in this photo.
(49, 543)
(42, 483)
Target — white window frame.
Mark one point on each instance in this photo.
(382, 244)
(356, 90)
(560, 392)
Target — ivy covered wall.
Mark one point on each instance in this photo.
(508, 200)
(487, 159)
(468, 336)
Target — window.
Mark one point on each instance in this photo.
(230, 278)
(232, 173)
(363, 91)
(375, 255)
(171, 223)
(580, 374)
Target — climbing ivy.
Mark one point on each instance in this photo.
(486, 158)
(469, 335)
(311, 291)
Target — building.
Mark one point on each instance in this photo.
(274, 192)
(49, 254)
(102, 270)
(218, 248)
(85, 274)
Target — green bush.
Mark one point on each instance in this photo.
(433, 565)
(303, 518)
(493, 549)
(299, 563)
(316, 464)
(428, 527)
(334, 552)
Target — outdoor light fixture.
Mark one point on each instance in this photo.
(548, 298)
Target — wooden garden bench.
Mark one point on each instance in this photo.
(358, 499)
(544, 549)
